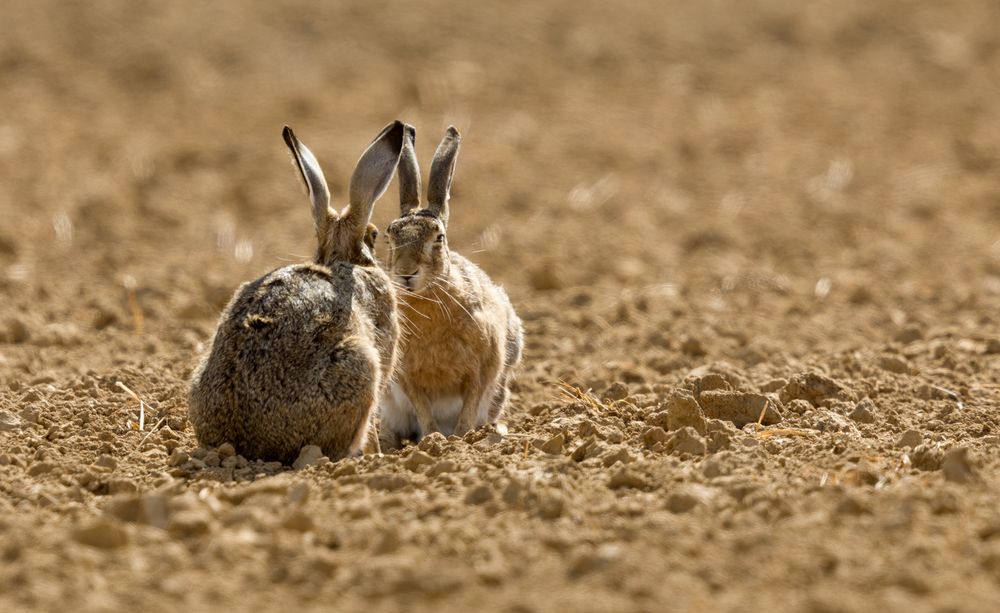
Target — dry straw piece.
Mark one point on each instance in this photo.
(571, 393)
(142, 405)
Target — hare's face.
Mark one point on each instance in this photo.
(418, 251)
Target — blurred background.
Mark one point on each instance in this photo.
(846, 151)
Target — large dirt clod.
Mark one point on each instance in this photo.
(741, 408)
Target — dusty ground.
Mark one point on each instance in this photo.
(698, 208)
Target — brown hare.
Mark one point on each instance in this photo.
(461, 339)
(302, 355)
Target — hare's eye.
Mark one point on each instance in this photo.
(439, 239)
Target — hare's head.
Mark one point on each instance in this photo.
(348, 236)
(418, 245)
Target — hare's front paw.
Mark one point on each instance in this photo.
(428, 426)
(462, 428)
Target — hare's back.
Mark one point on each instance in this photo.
(288, 325)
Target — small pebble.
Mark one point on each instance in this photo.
(910, 438)
(616, 391)
(894, 364)
(863, 412)
(177, 457)
(687, 441)
(626, 478)
(102, 534)
(309, 455)
(957, 466)
(479, 494)
(417, 459)
(554, 445)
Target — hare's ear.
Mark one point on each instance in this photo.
(311, 173)
(442, 170)
(409, 173)
(372, 175)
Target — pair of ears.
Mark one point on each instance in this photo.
(439, 181)
(392, 148)
(371, 177)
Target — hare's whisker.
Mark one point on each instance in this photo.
(461, 306)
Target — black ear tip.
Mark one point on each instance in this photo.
(289, 136)
(411, 133)
(453, 132)
(396, 133)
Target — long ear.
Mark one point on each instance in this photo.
(409, 173)
(311, 173)
(442, 170)
(372, 175)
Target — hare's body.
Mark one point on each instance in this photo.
(457, 355)
(303, 354)
(461, 340)
(296, 363)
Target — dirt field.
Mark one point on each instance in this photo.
(755, 248)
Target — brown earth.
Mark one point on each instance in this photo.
(709, 215)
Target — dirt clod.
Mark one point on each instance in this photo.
(654, 435)
(9, 421)
(102, 534)
(616, 391)
(14, 330)
(686, 441)
(479, 494)
(687, 498)
(863, 412)
(626, 478)
(957, 466)
(910, 438)
(692, 347)
(554, 445)
(177, 457)
(189, 523)
(812, 387)
(740, 408)
(418, 459)
(894, 363)
(433, 444)
(926, 456)
(683, 411)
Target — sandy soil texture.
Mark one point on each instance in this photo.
(755, 247)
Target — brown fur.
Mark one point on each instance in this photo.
(461, 335)
(302, 355)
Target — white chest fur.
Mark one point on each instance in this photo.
(399, 416)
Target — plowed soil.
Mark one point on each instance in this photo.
(754, 244)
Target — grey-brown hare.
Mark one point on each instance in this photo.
(302, 355)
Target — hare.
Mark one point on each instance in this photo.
(302, 355)
(461, 339)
